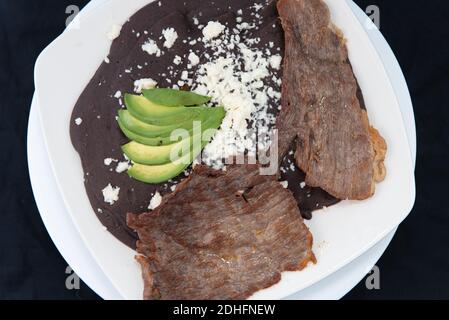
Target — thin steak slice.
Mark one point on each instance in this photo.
(221, 235)
(335, 145)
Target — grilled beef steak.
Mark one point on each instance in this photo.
(335, 145)
(221, 235)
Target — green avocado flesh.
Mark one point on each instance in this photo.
(144, 129)
(158, 151)
(174, 98)
(163, 172)
(151, 131)
(152, 155)
(151, 113)
(213, 120)
(158, 173)
(155, 141)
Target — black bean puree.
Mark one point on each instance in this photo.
(98, 137)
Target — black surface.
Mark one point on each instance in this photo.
(416, 264)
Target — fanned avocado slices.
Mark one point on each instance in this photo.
(151, 120)
(174, 98)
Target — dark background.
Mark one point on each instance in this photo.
(416, 264)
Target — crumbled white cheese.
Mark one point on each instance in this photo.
(240, 88)
(155, 201)
(240, 12)
(170, 36)
(212, 30)
(122, 166)
(108, 161)
(245, 26)
(273, 94)
(275, 61)
(284, 184)
(177, 60)
(151, 48)
(184, 75)
(142, 84)
(106, 60)
(194, 59)
(173, 187)
(237, 75)
(302, 185)
(78, 121)
(118, 94)
(110, 194)
(257, 6)
(195, 21)
(114, 33)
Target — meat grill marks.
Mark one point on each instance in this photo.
(221, 235)
(335, 145)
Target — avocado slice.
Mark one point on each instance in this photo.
(144, 129)
(151, 113)
(157, 155)
(163, 172)
(151, 131)
(174, 98)
(155, 141)
(213, 120)
(159, 173)
(151, 155)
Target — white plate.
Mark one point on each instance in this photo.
(66, 238)
(341, 234)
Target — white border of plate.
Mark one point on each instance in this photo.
(396, 193)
